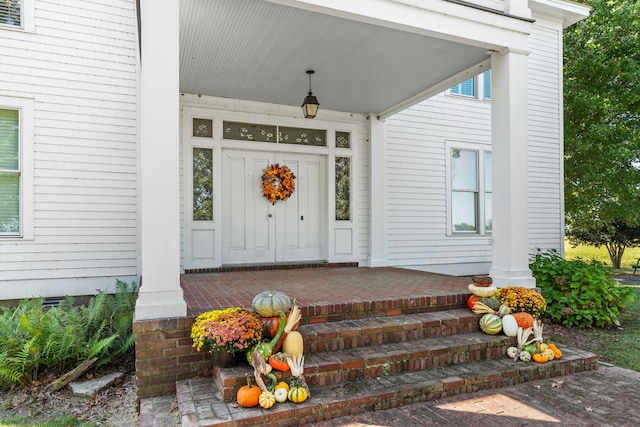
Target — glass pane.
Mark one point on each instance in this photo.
(301, 136)
(488, 168)
(486, 86)
(203, 128)
(249, 132)
(464, 170)
(463, 206)
(465, 88)
(488, 213)
(10, 12)
(343, 140)
(343, 188)
(9, 203)
(9, 139)
(202, 184)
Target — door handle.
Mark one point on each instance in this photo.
(269, 215)
(301, 217)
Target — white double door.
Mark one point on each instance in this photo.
(256, 231)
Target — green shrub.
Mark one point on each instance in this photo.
(579, 294)
(33, 338)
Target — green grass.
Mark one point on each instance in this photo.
(587, 253)
(59, 420)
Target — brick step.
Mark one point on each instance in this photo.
(395, 306)
(201, 404)
(348, 334)
(359, 363)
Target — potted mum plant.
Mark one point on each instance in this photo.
(226, 334)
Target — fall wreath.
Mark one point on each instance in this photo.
(278, 183)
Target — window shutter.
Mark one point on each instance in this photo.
(486, 84)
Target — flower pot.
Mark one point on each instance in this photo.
(225, 359)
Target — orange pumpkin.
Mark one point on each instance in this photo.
(248, 395)
(471, 301)
(524, 320)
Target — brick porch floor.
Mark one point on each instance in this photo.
(315, 286)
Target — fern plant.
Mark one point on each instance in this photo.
(33, 338)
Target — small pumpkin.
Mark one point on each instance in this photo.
(298, 394)
(513, 352)
(482, 281)
(491, 324)
(293, 344)
(483, 291)
(271, 303)
(278, 361)
(504, 309)
(266, 399)
(525, 320)
(531, 348)
(282, 384)
(509, 325)
(249, 395)
(525, 356)
(471, 301)
(557, 354)
(540, 357)
(281, 394)
(492, 302)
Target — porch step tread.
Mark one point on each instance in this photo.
(335, 367)
(201, 404)
(346, 334)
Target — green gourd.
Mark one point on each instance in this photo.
(491, 324)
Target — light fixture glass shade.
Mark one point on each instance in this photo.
(310, 106)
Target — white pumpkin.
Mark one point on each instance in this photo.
(482, 291)
(509, 325)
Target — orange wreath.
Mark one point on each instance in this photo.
(278, 183)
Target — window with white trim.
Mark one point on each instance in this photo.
(18, 15)
(16, 168)
(476, 87)
(470, 191)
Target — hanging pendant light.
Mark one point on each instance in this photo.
(310, 104)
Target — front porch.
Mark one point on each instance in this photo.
(163, 346)
(323, 291)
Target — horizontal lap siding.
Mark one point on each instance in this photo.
(545, 138)
(416, 175)
(80, 68)
(416, 180)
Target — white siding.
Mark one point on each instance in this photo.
(416, 175)
(80, 67)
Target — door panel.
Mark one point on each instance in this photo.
(247, 228)
(254, 230)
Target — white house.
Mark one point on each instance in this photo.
(134, 135)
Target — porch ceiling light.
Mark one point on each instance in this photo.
(310, 104)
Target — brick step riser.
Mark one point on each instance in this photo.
(334, 371)
(288, 414)
(322, 313)
(324, 338)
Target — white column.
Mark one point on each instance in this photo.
(377, 194)
(509, 123)
(160, 294)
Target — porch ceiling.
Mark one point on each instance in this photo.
(257, 50)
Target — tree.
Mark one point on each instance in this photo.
(602, 127)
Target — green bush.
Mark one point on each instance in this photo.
(34, 338)
(578, 293)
